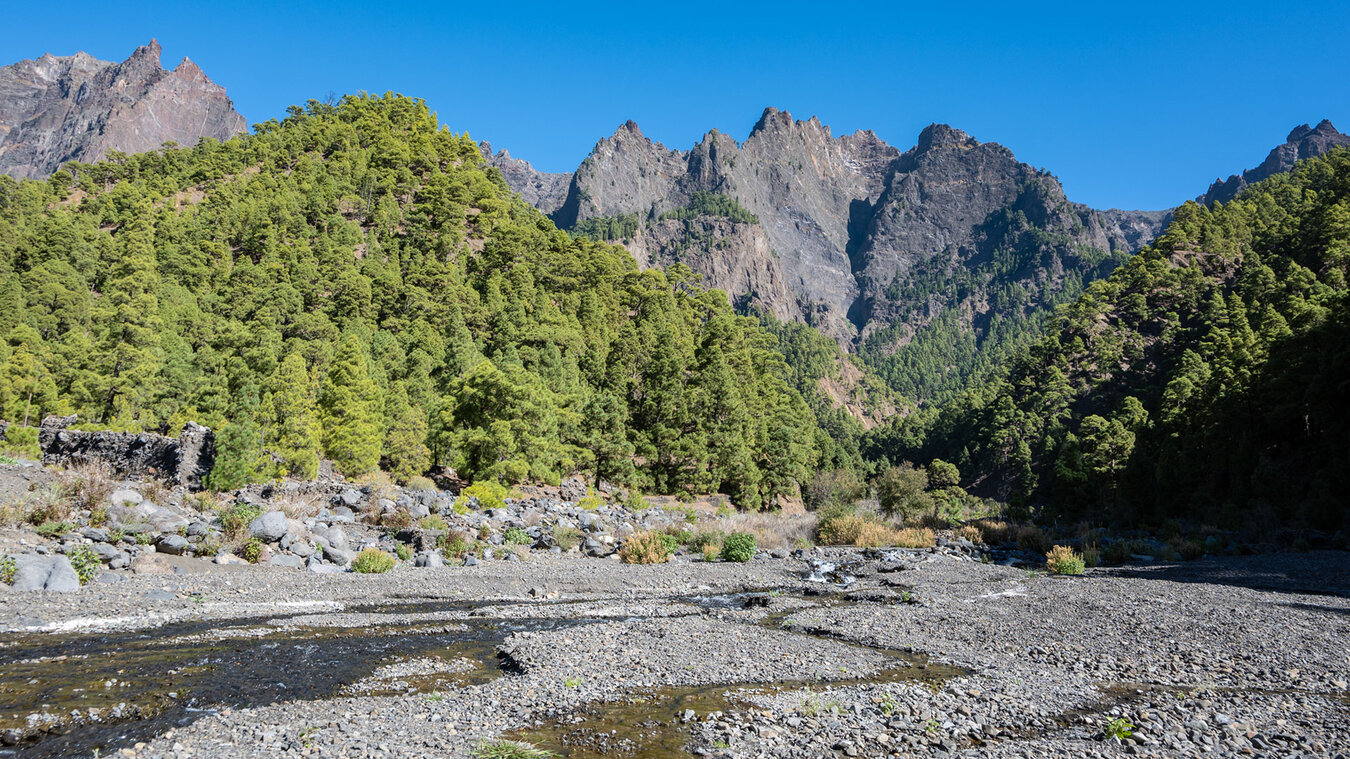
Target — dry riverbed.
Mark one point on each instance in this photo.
(919, 655)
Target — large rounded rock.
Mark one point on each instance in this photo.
(176, 545)
(429, 559)
(31, 571)
(63, 578)
(270, 527)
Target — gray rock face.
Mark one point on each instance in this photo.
(270, 527)
(540, 189)
(184, 460)
(1303, 142)
(63, 578)
(59, 109)
(429, 559)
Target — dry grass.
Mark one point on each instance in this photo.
(1063, 560)
(644, 548)
(298, 507)
(915, 537)
(972, 533)
(875, 535)
(845, 529)
(995, 532)
(1030, 538)
(88, 484)
(771, 530)
(381, 485)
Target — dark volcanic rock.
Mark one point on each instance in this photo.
(78, 108)
(184, 460)
(1303, 142)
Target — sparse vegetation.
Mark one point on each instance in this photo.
(739, 546)
(372, 561)
(514, 536)
(422, 484)
(915, 537)
(454, 545)
(1118, 728)
(1062, 560)
(86, 563)
(432, 522)
(567, 538)
(644, 548)
(403, 552)
(234, 521)
(251, 551)
(502, 749)
(54, 530)
(490, 494)
(1032, 539)
(8, 568)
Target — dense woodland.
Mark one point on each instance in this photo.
(351, 283)
(1207, 378)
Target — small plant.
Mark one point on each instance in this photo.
(432, 522)
(932, 726)
(454, 545)
(251, 551)
(802, 544)
(490, 494)
(54, 529)
(86, 563)
(1118, 728)
(888, 704)
(396, 519)
(572, 682)
(739, 546)
(98, 516)
(484, 532)
(644, 548)
(711, 552)
(509, 750)
(8, 568)
(671, 542)
(514, 536)
(145, 538)
(915, 537)
(1063, 560)
(372, 561)
(234, 521)
(971, 533)
(567, 538)
(590, 502)
(705, 538)
(420, 483)
(209, 547)
(402, 551)
(460, 507)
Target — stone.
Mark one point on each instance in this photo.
(287, 560)
(106, 553)
(270, 527)
(470, 561)
(176, 545)
(160, 595)
(63, 578)
(95, 534)
(337, 556)
(125, 497)
(429, 559)
(226, 558)
(31, 572)
(343, 514)
(151, 564)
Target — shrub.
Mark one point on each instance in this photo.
(704, 538)
(711, 552)
(420, 483)
(592, 501)
(1092, 555)
(1190, 550)
(1063, 560)
(98, 516)
(403, 551)
(971, 533)
(455, 544)
(995, 533)
(833, 487)
(86, 563)
(915, 537)
(8, 568)
(208, 547)
(902, 492)
(567, 538)
(234, 521)
(51, 529)
(514, 536)
(509, 750)
(397, 519)
(22, 442)
(432, 522)
(251, 551)
(874, 535)
(644, 548)
(739, 546)
(845, 525)
(460, 506)
(671, 542)
(1031, 539)
(372, 561)
(490, 494)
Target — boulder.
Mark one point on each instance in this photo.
(31, 571)
(343, 514)
(349, 498)
(63, 578)
(176, 545)
(287, 560)
(429, 559)
(270, 527)
(125, 497)
(337, 555)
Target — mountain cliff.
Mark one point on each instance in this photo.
(953, 242)
(78, 108)
(1303, 142)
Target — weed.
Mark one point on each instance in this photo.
(86, 563)
(1063, 560)
(739, 546)
(971, 533)
(1118, 728)
(234, 521)
(802, 544)
(455, 544)
(644, 548)
(915, 537)
(116, 534)
(508, 750)
(888, 704)
(146, 538)
(460, 507)
(432, 522)
(592, 501)
(932, 726)
(402, 551)
(490, 494)
(7, 569)
(372, 561)
(209, 547)
(572, 682)
(98, 516)
(567, 538)
(514, 536)
(54, 530)
(711, 552)
(251, 551)
(419, 483)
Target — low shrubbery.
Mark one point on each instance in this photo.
(514, 536)
(644, 548)
(1063, 560)
(432, 522)
(915, 537)
(8, 568)
(1031, 539)
(489, 493)
(234, 521)
(372, 561)
(252, 550)
(86, 563)
(738, 546)
(567, 538)
(54, 529)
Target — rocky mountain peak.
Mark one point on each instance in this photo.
(1303, 142)
(77, 108)
(941, 135)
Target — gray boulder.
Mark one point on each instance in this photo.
(343, 514)
(270, 527)
(31, 571)
(287, 560)
(429, 559)
(337, 555)
(63, 578)
(176, 545)
(125, 496)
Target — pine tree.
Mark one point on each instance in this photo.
(294, 434)
(405, 446)
(128, 350)
(350, 410)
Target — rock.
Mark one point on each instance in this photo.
(302, 549)
(779, 553)
(95, 534)
(31, 572)
(151, 564)
(270, 527)
(160, 595)
(429, 559)
(470, 561)
(227, 558)
(106, 553)
(198, 529)
(287, 560)
(63, 578)
(125, 497)
(337, 556)
(176, 545)
(349, 499)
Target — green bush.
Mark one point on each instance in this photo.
(671, 542)
(567, 538)
(454, 545)
(7, 569)
(420, 483)
(251, 550)
(86, 563)
(403, 551)
(54, 529)
(21, 442)
(1063, 560)
(490, 494)
(235, 520)
(433, 522)
(514, 536)
(372, 561)
(739, 546)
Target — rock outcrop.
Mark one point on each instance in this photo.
(540, 189)
(185, 460)
(78, 108)
(1303, 142)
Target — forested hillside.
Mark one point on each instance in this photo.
(1208, 378)
(353, 283)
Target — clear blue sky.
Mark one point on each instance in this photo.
(1132, 105)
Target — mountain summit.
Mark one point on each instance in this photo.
(1303, 142)
(78, 108)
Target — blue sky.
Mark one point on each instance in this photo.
(1135, 105)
